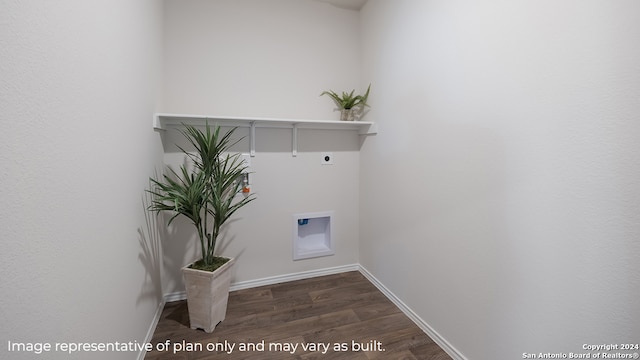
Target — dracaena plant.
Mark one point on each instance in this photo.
(348, 100)
(206, 195)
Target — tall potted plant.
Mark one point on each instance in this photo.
(348, 103)
(208, 196)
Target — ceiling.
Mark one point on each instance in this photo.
(346, 4)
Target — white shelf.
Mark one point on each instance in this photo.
(161, 121)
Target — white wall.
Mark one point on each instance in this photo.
(268, 59)
(258, 58)
(508, 158)
(79, 85)
(506, 130)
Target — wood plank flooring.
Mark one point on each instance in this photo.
(344, 312)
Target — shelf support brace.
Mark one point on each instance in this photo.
(294, 141)
(252, 139)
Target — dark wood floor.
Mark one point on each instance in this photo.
(335, 310)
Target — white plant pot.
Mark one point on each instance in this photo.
(347, 115)
(207, 295)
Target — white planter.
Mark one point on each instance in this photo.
(347, 115)
(207, 295)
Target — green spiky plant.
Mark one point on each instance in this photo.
(206, 195)
(348, 100)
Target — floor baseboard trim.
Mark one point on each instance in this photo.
(248, 284)
(444, 344)
(293, 276)
(175, 296)
(152, 328)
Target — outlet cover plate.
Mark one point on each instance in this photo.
(326, 158)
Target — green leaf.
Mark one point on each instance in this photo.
(206, 195)
(348, 100)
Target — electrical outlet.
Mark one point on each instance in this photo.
(326, 158)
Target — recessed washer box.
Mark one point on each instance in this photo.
(312, 235)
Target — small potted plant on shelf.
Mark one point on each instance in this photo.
(208, 196)
(348, 103)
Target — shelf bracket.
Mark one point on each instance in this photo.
(252, 139)
(294, 141)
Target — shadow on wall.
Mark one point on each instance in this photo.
(150, 253)
(166, 249)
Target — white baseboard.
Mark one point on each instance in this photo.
(240, 285)
(444, 344)
(152, 328)
(175, 296)
(292, 277)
